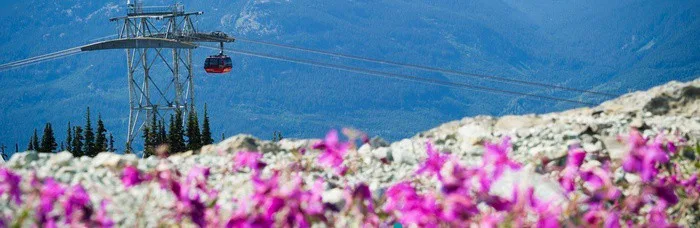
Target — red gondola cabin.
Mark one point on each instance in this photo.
(218, 64)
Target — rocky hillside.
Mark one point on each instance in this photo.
(672, 110)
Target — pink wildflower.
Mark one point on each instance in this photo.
(250, 160)
(50, 192)
(612, 220)
(643, 158)
(9, 182)
(434, 162)
(131, 176)
(657, 217)
(333, 152)
(411, 208)
(77, 201)
(101, 218)
(197, 177)
(573, 162)
(496, 157)
(313, 199)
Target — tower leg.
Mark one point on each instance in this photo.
(190, 77)
(132, 121)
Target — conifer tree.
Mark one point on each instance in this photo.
(111, 143)
(148, 149)
(154, 132)
(77, 142)
(69, 138)
(162, 134)
(16, 147)
(89, 145)
(4, 155)
(176, 138)
(206, 131)
(30, 145)
(194, 136)
(48, 141)
(35, 141)
(101, 136)
(63, 147)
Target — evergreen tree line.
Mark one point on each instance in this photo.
(80, 140)
(177, 138)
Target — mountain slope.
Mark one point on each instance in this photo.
(582, 45)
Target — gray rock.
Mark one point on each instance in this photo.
(334, 197)
(616, 149)
(403, 152)
(60, 159)
(23, 159)
(378, 142)
(592, 147)
(107, 159)
(508, 123)
(382, 153)
(241, 142)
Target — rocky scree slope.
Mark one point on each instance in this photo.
(672, 109)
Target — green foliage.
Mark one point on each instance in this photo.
(30, 145)
(77, 142)
(194, 136)
(69, 138)
(101, 136)
(176, 138)
(111, 143)
(35, 141)
(48, 141)
(89, 145)
(162, 134)
(277, 136)
(149, 149)
(206, 130)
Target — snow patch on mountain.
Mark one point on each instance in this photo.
(647, 46)
(252, 20)
(109, 10)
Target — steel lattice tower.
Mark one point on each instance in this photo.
(159, 44)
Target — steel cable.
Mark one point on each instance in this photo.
(395, 76)
(427, 68)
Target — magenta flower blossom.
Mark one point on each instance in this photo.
(248, 159)
(131, 176)
(284, 204)
(573, 162)
(434, 162)
(691, 183)
(612, 220)
(593, 179)
(657, 217)
(9, 182)
(101, 218)
(314, 198)
(667, 194)
(496, 157)
(197, 177)
(49, 193)
(333, 153)
(78, 200)
(644, 159)
(414, 209)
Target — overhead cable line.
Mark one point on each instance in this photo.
(395, 76)
(427, 68)
(41, 58)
